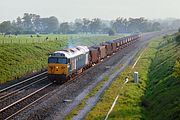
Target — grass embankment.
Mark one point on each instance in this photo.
(20, 59)
(156, 96)
(162, 97)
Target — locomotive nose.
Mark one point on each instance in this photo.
(58, 69)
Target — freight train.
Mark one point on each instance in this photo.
(66, 64)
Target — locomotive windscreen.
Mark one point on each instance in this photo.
(57, 60)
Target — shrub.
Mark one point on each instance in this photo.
(176, 72)
(111, 32)
(178, 38)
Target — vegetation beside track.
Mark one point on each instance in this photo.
(91, 94)
(156, 96)
(18, 59)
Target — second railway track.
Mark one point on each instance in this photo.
(22, 83)
(8, 111)
(17, 106)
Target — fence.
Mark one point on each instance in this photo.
(24, 39)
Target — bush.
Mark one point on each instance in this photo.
(176, 72)
(178, 38)
(111, 32)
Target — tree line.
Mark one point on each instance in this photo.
(33, 24)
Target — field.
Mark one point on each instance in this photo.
(157, 95)
(31, 53)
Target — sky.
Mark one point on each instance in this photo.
(69, 10)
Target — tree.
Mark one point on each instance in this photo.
(95, 25)
(53, 24)
(86, 23)
(27, 23)
(49, 25)
(120, 25)
(5, 27)
(19, 26)
(36, 20)
(64, 28)
(78, 26)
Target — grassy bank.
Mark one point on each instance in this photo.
(162, 96)
(156, 96)
(17, 59)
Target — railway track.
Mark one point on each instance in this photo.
(16, 97)
(16, 107)
(9, 109)
(22, 92)
(20, 84)
(4, 97)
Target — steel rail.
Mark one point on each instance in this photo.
(7, 95)
(9, 117)
(7, 107)
(14, 85)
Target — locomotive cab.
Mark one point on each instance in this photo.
(64, 64)
(58, 66)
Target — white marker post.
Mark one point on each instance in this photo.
(136, 77)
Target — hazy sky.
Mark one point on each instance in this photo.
(68, 10)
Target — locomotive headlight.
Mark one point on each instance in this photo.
(57, 67)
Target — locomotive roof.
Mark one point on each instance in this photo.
(72, 52)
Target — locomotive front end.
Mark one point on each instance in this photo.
(58, 68)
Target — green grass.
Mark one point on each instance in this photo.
(162, 97)
(31, 54)
(156, 96)
(17, 59)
